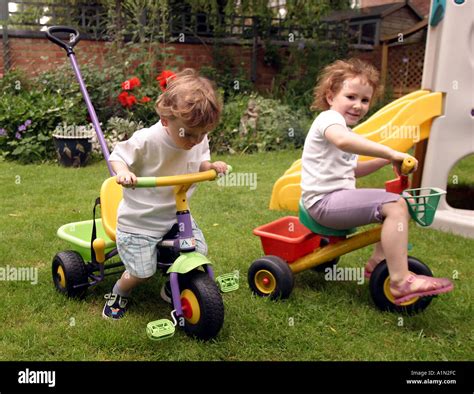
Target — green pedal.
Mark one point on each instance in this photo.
(228, 282)
(160, 329)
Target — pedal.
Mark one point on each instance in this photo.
(228, 282)
(160, 329)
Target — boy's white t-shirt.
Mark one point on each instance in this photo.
(325, 168)
(152, 152)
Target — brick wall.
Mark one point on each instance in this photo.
(35, 55)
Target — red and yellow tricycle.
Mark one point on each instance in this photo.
(294, 244)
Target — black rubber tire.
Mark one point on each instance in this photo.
(210, 304)
(75, 273)
(280, 270)
(321, 268)
(377, 281)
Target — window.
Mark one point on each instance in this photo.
(364, 33)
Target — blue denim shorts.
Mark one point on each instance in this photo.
(139, 252)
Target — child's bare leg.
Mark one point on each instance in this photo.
(128, 282)
(377, 256)
(394, 243)
(395, 239)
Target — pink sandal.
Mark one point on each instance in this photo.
(367, 273)
(432, 286)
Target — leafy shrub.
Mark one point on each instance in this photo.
(27, 121)
(278, 126)
(117, 130)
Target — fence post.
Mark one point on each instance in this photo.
(253, 69)
(4, 24)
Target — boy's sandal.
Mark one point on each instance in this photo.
(431, 287)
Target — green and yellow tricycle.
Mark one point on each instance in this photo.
(197, 302)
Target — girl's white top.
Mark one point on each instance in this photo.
(325, 168)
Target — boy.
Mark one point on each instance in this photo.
(189, 109)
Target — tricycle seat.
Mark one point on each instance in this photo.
(315, 227)
(110, 197)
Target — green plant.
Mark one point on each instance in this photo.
(277, 126)
(301, 65)
(117, 130)
(28, 120)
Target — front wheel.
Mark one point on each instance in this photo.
(380, 288)
(68, 271)
(270, 276)
(202, 305)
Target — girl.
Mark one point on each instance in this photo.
(329, 168)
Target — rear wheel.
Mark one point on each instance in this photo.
(270, 276)
(202, 305)
(380, 288)
(69, 270)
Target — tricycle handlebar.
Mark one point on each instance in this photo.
(175, 180)
(73, 37)
(407, 165)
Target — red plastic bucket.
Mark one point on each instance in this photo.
(287, 238)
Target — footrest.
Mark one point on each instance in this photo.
(228, 282)
(160, 329)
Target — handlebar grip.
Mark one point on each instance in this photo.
(175, 180)
(73, 40)
(407, 165)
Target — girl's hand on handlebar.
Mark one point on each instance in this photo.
(219, 166)
(397, 160)
(126, 178)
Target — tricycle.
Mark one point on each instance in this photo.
(197, 302)
(294, 244)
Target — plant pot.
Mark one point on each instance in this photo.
(72, 151)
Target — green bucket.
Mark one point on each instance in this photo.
(422, 204)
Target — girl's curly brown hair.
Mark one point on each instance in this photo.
(334, 75)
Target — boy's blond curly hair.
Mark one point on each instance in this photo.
(192, 99)
(334, 75)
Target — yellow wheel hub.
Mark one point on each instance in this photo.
(190, 305)
(265, 281)
(62, 277)
(389, 295)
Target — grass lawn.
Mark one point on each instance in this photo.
(320, 321)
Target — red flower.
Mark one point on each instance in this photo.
(122, 97)
(145, 99)
(127, 100)
(131, 100)
(131, 83)
(164, 77)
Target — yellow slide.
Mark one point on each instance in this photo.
(399, 125)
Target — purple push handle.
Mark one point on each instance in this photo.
(90, 108)
(93, 115)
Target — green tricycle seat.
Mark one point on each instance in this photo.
(317, 228)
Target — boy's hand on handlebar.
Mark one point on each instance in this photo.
(219, 166)
(397, 161)
(126, 178)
